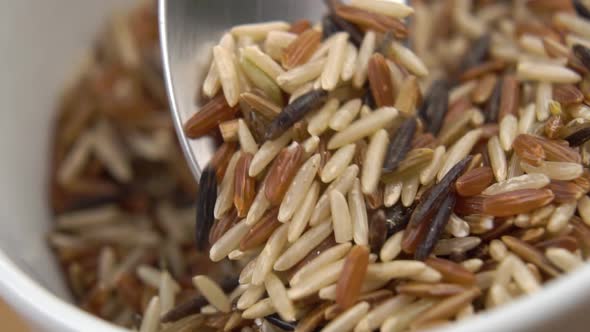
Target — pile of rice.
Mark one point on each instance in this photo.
(391, 167)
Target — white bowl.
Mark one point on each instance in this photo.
(41, 41)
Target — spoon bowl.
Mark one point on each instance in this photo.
(189, 29)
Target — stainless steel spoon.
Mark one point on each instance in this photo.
(189, 29)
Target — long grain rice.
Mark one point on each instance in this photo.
(325, 258)
(392, 247)
(299, 186)
(380, 313)
(348, 319)
(228, 74)
(322, 277)
(349, 66)
(263, 61)
(409, 190)
(560, 217)
(276, 41)
(296, 77)
(260, 309)
(393, 9)
(508, 131)
(358, 214)
(303, 246)
(408, 59)
(247, 142)
(392, 193)
(344, 116)
(318, 123)
(229, 241)
(338, 163)
(563, 259)
(213, 293)
(271, 252)
(259, 31)
(366, 50)
(459, 150)
(529, 71)
(151, 316)
(343, 184)
(303, 214)
(555, 170)
(335, 61)
(278, 296)
(497, 159)
(267, 152)
(374, 158)
(400, 320)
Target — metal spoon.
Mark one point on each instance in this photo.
(188, 30)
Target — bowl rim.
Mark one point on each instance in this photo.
(43, 309)
(46, 310)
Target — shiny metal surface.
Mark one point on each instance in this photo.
(189, 29)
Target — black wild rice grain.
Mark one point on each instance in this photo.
(205, 205)
(295, 112)
(579, 137)
(275, 320)
(582, 53)
(492, 109)
(435, 106)
(329, 27)
(397, 217)
(385, 44)
(437, 194)
(377, 231)
(399, 145)
(190, 307)
(437, 225)
(368, 98)
(354, 34)
(581, 9)
(476, 54)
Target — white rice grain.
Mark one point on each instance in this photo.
(497, 159)
(408, 59)
(508, 131)
(459, 150)
(349, 66)
(213, 293)
(340, 217)
(343, 184)
(229, 241)
(322, 277)
(392, 193)
(258, 207)
(252, 295)
(267, 152)
(267, 258)
(260, 309)
(373, 162)
(327, 257)
(303, 214)
(305, 244)
(555, 170)
(348, 319)
(389, 8)
(527, 119)
(563, 259)
(298, 188)
(278, 296)
(457, 226)
(560, 217)
(276, 42)
(381, 312)
(367, 49)
(395, 269)
(392, 247)
(358, 214)
(318, 122)
(544, 96)
(296, 77)
(151, 316)
(584, 209)
(259, 31)
(428, 174)
(344, 116)
(409, 190)
(543, 72)
(263, 61)
(246, 139)
(228, 75)
(336, 56)
(573, 23)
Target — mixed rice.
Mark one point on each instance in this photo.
(391, 167)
